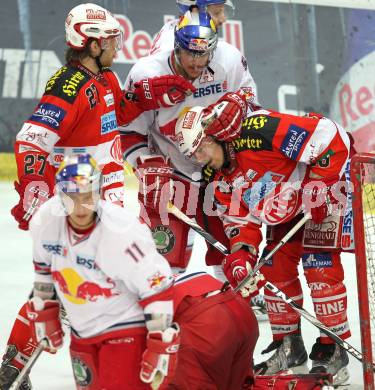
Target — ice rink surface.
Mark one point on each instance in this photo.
(53, 372)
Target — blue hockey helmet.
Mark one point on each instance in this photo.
(196, 32)
(78, 174)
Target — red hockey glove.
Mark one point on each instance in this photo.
(230, 111)
(155, 181)
(33, 193)
(159, 360)
(164, 91)
(237, 266)
(318, 198)
(45, 322)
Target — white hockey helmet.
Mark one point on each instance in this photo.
(91, 21)
(190, 129)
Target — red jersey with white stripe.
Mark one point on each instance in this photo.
(78, 113)
(153, 132)
(274, 154)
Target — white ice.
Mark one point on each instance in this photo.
(53, 372)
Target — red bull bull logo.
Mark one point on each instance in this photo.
(156, 280)
(79, 291)
(198, 44)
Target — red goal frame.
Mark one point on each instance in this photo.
(357, 164)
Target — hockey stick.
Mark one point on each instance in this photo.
(28, 366)
(221, 248)
(269, 286)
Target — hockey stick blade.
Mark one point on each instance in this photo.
(271, 287)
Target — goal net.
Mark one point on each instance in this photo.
(363, 179)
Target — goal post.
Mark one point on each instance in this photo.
(363, 179)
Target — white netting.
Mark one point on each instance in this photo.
(368, 202)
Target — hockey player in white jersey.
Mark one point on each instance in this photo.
(113, 284)
(219, 10)
(214, 68)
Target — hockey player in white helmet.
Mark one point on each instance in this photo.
(219, 10)
(215, 68)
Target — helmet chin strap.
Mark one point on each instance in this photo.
(98, 62)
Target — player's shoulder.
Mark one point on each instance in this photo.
(66, 83)
(170, 25)
(227, 55)
(150, 66)
(120, 222)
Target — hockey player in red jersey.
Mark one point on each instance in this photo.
(118, 294)
(81, 109)
(278, 166)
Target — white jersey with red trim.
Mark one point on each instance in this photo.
(227, 71)
(99, 276)
(164, 39)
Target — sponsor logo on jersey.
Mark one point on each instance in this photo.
(109, 99)
(88, 263)
(164, 239)
(82, 373)
(281, 205)
(113, 177)
(52, 81)
(48, 114)
(293, 141)
(109, 122)
(37, 135)
(211, 90)
(317, 260)
(157, 281)
(257, 133)
(70, 86)
(261, 188)
(116, 151)
(56, 249)
(325, 160)
(206, 77)
(79, 291)
(253, 143)
(255, 122)
(324, 235)
(250, 174)
(347, 237)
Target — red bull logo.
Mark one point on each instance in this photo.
(198, 44)
(156, 280)
(79, 291)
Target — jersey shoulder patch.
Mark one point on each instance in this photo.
(257, 133)
(66, 83)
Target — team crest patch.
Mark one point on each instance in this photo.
(82, 373)
(164, 239)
